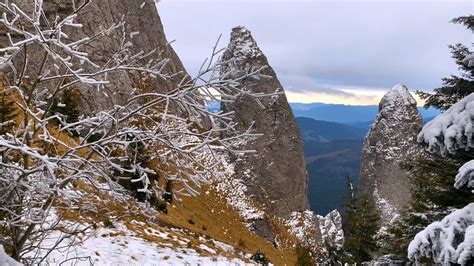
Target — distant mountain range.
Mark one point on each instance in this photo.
(333, 135)
(324, 131)
(346, 114)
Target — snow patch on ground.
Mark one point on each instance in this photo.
(121, 246)
(6, 260)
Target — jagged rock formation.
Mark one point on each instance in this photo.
(320, 233)
(331, 229)
(143, 29)
(276, 174)
(390, 141)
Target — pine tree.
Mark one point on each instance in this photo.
(168, 194)
(433, 197)
(432, 177)
(454, 87)
(361, 228)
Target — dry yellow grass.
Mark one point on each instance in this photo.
(207, 215)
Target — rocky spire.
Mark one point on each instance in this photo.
(390, 141)
(276, 174)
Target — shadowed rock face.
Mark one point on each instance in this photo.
(276, 173)
(140, 16)
(390, 141)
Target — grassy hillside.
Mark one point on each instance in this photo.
(198, 224)
(192, 223)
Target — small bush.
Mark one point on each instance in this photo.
(260, 258)
(168, 195)
(304, 256)
(190, 221)
(108, 224)
(158, 204)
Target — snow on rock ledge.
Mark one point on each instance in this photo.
(331, 229)
(440, 240)
(316, 231)
(6, 260)
(452, 129)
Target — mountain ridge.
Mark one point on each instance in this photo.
(338, 112)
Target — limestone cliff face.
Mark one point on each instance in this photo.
(390, 141)
(142, 28)
(276, 174)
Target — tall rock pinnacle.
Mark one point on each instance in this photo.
(390, 141)
(276, 174)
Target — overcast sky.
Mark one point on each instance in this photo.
(329, 51)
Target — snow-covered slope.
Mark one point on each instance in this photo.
(209, 229)
(122, 245)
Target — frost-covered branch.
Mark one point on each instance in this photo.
(447, 241)
(451, 239)
(465, 176)
(451, 130)
(49, 151)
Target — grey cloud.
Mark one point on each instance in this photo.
(363, 44)
(304, 83)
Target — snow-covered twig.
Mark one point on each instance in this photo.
(157, 132)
